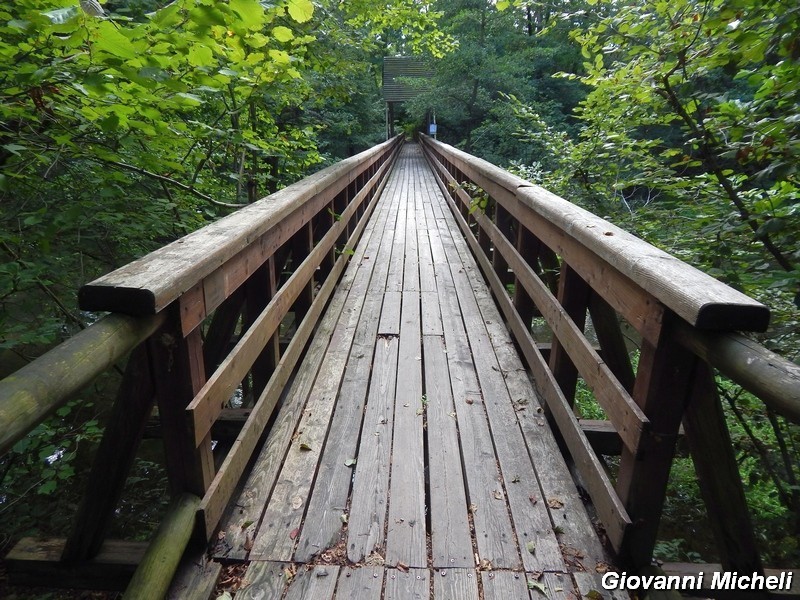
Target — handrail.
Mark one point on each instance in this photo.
(695, 296)
(565, 262)
(32, 393)
(230, 278)
(149, 284)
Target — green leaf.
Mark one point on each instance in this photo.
(200, 55)
(300, 10)
(251, 12)
(282, 34)
(112, 41)
(502, 4)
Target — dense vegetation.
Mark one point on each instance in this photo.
(678, 120)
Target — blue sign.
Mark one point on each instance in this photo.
(432, 129)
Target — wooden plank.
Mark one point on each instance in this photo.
(367, 519)
(406, 536)
(588, 582)
(413, 584)
(281, 521)
(215, 500)
(611, 511)
(196, 578)
(503, 585)
(264, 580)
(151, 283)
(37, 562)
(210, 400)
(538, 544)
(450, 535)
(615, 400)
(318, 582)
(431, 314)
(493, 532)
(455, 583)
(390, 314)
(242, 525)
(361, 583)
(557, 586)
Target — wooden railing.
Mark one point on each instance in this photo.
(200, 318)
(564, 262)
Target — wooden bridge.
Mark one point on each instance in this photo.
(405, 332)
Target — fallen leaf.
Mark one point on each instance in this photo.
(350, 462)
(555, 503)
(248, 543)
(343, 517)
(294, 533)
(594, 595)
(486, 564)
(601, 567)
(401, 566)
(533, 499)
(531, 547)
(535, 585)
(497, 494)
(515, 479)
(305, 447)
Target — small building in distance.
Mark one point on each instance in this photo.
(400, 76)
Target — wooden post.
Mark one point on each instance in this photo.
(220, 331)
(612, 344)
(261, 288)
(323, 222)
(718, 475)
(179, 373)
(528, 247)
(302, 245)
(113, 461)
(573, 295)
(504, 222)
(661, 390)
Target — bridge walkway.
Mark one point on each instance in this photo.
(410, 457)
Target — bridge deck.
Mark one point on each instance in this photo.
(410, 458)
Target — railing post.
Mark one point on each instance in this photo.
(661, 390)
(527, 245)
(179, 373)
(573, 295)
(261, 288)
(302, 244)
(113, 461)
(718, 475)
(612, 344)
(504, 222)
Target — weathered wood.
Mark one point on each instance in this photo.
(775, 380)
(302, 244)
(360, 583)
(718, 475)
(155, 572)
(532, 521)
(37, 562)
(614, 399)
(28, 396)
(264, 580)
(609, 335)
(370, 497)
(450, 536)
(221, 489)
(196, 578)
(661, 389)
(113, 460)
(148, 285)
(242, 523)
(493, 531)
(178, 374)
(210, 400)
(221, 330)
(413, 584)
(693, 295)
(455, 583)
(588, 582)
(390, 314)
(573, 296)
(503, 585)
(406, 536)
(318, 583)
(611, 511)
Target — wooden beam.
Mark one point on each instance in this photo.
(37, 562)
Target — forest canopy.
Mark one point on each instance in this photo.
(677, 119)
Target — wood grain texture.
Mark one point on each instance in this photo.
(695, 296)
(149, 284)
(413, 584)
(360, 583)
(503, 585)
(455, 584)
